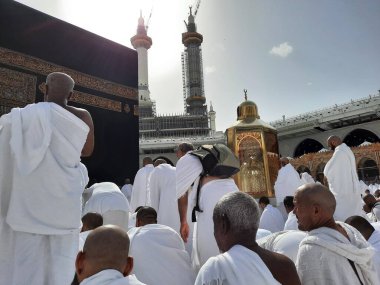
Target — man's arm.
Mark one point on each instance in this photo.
(88, 147)
(85, 116)
(182, 209)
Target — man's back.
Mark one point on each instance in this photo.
(271, 219)
(140, 187)
(162, 190)
(324, 255)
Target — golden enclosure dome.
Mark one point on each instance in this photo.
(247, 110)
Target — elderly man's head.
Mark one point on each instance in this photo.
(106, 247)
(236, 220)
(59, 87)
(314, 206)
(333, 142)
(183, 148)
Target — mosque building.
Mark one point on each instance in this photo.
(160, 134)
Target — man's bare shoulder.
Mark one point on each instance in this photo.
(79, 112)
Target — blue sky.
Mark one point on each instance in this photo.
(293, 56)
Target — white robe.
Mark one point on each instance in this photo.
(343, 181)
(288, 180)
(160, 256)
(111, 277)
(127, 191)
(107, 200)
(271, 219)
(204, 244)
(163, 198)
(140, 188)
(306, 178)
(374, 241)
(238, 266)
(323, 258)
(41, 182)
(188, 170)
(291, 223)
(285, 242)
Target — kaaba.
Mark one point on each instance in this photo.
(33, 44)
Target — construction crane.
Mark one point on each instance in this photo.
(197, 8)
(148, 21)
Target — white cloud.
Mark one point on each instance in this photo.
(309, 83)
(282, 50)
(210, 69)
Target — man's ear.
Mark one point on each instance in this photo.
(225, 223)
(128, 267)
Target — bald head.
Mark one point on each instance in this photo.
(106, 247)
(147, 160)
(59, 87)
(314, 205)
(91, 221)
(333, 142)
(362, 225)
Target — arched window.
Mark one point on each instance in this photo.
(368, 170)
(307, 146)
(358, 136)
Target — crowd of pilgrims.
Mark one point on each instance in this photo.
(147, 233)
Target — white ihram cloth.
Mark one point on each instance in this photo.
(111, 277)
(323, 258)
(271, 219)
(163, 198)
(41, 182)
(127, 191)
(285, 242)
(82, 238)
(160, 256)
(204, 244)
(238, 266)
(306, 178)
(292, 222)
(188, 170)
(374, 241)
(343, 181)
(140, 188)
(107, 200)
(288, 180)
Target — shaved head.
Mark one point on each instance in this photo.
(106, 247)
(334, 141)
(314, 205)
(147, 160)
(362, 225)
(59, 87)
(284, 161)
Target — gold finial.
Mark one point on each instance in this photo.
(245, 94)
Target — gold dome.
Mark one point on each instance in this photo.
(247, 110)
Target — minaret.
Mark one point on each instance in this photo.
(192, 69)
(141, 42)
(212, 115)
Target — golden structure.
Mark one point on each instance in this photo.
(255, 143)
